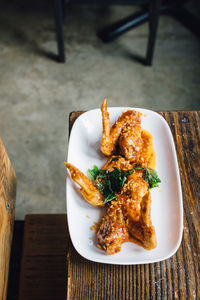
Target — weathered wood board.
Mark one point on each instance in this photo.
(7, 214)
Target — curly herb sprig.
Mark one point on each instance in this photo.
(111, 182)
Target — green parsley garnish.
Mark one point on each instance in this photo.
(138, 167)
(105, 189)
(151, 177)
(92, 174)
(111, 182)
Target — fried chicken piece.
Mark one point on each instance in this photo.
(127, 218)
(107, 146)
(136, 187)
(89, 192)
(117, 161)
(130, 142)
(136, 206)
(112, 230)
(128, 121)
(137, 215)
(146, 157)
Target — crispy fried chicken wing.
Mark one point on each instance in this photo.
(127, 218)
(118, 135)
(89, 192)
(107, 145)
(112, 230)
(140, 228)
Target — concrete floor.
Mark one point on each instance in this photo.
(37, 94)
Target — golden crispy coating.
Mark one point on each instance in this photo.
(147, 156)
(117, 162)
(112, 230)
(136, 187)
(90, 193)
(130, 142)
(118, 134)
(106, 143)
(127, 219)
(140, 228)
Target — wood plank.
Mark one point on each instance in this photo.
(72, 118)
(174, 278)
(8, 184)
(15, 261)
(43, 269)
(186, 131)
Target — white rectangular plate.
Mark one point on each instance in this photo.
(166, 209)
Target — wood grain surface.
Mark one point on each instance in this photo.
(43, 269)
(174, 278)
(7, 215)
(15, 261)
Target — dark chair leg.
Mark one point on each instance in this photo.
(113, 31)
(58, 8)
(153, 25)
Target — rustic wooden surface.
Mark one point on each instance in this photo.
(174, 278)
(43, 269)
(15, 261)
(7, 215)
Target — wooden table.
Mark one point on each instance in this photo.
(47, 246)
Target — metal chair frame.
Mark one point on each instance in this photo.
(149, 13)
